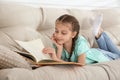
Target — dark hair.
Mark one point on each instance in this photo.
(66, 18)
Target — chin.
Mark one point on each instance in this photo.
(60, 43)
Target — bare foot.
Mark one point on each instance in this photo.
(97, 25)
(99, 33)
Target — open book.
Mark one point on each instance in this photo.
(34, 47)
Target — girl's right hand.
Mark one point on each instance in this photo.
(50, 51)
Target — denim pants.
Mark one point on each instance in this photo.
(107, 47)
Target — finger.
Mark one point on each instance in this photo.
(54, 41)
(45, 50)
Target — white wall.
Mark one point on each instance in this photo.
(84, 4)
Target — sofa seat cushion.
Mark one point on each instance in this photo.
(99, 71)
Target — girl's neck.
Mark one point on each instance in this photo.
(68, 47)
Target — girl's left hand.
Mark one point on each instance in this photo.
(59, 46)
(50, 51)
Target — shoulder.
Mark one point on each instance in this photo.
(81, 43)
(81, 39)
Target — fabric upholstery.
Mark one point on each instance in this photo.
(24, 33)
(101, 71)
(10, 59)
(7, 41)
(19, 15)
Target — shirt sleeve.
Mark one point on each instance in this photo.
(82, 46)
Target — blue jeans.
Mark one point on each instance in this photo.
(107, 47)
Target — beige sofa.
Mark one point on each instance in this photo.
(26, 23)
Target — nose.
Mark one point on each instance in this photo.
(58, 35)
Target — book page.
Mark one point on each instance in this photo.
(34, 47)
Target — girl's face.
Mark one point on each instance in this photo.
(63, 33)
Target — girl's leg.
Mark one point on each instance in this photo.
(102, 43)
(105, 43)
(110, 55)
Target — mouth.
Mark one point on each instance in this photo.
(59, 41)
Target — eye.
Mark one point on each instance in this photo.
(64, 33)
(56, 31)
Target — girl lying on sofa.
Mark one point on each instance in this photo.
(71, 47)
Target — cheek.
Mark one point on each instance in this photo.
(66, 38)
(54, 34)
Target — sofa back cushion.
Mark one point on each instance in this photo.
(17, 15)
(49, 16)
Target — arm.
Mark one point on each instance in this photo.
(59, 53)
(55, 55)
(82, 58)
(51, 52)
(59, 47)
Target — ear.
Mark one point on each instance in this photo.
(74, 34)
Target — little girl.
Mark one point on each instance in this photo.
(72, 47)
